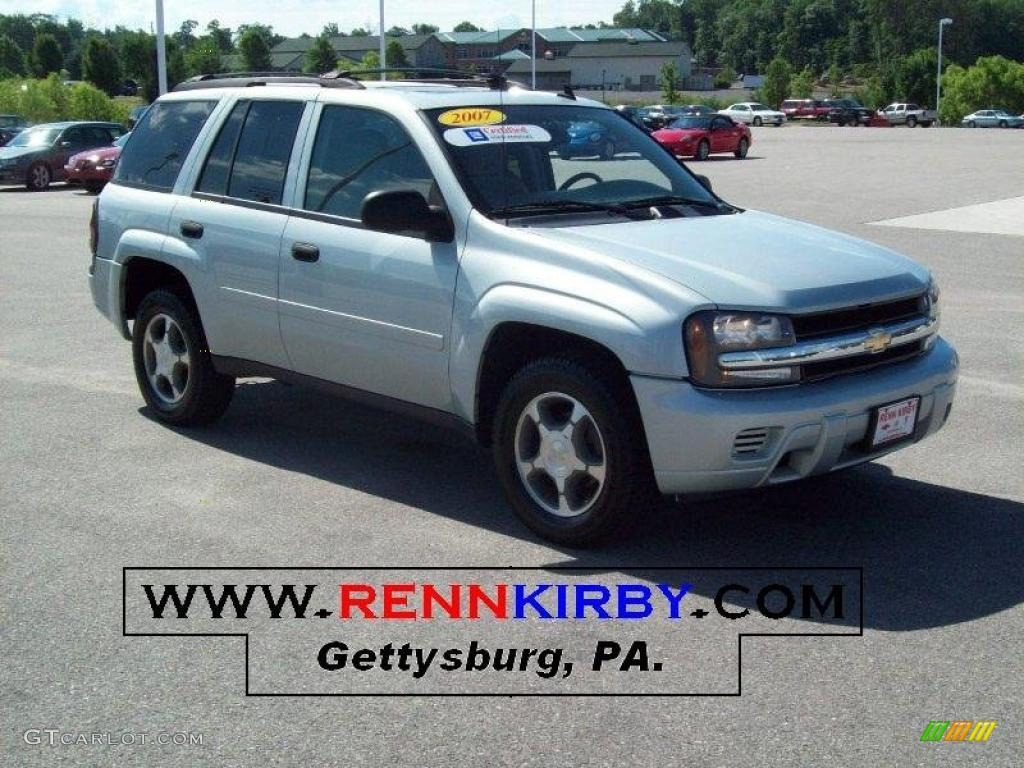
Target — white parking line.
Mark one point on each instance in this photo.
(1000, 217)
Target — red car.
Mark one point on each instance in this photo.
(94, 167)
(699, 136)
(804, 109)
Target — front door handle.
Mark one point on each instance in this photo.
(305, 252)
(191, 229)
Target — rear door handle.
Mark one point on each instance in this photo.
(305, 252)
(191, 229)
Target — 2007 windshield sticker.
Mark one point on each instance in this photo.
(489, 134)
(468, 116)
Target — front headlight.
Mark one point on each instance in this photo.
(708, 334)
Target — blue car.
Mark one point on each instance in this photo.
(588, 140)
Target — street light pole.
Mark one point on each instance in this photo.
(533, 45)
(938, 75)
(161, 49)
(383, 52)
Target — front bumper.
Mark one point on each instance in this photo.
(13, 175)
(811, 428)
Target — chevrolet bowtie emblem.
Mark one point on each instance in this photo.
(878, 340)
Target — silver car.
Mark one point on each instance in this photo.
(992, 118)
(606, 328)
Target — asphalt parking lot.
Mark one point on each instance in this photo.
(90, 484)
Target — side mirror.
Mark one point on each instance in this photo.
(405, 211)
(704, 181)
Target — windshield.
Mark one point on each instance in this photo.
(9, 121)
(682, 123)
(548, 159)
(35, 137)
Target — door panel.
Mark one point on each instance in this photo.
(372, 310)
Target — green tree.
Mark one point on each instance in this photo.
(205, 57)
(185, 34)
(669, 76)
(359, 32)
(835, 78)
(255, 51)
(370, 60)
(802, 84)
(330, 30)
(222, 35)
(101, 66)
(394, 53)
(776, 82)
(86, 102)
(12, 58)
(321, 57)
(726, 77)
(993, 81)
(46, 56)
(915, 79)
(424, 29)
(466, 26)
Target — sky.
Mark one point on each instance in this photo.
(292, 17)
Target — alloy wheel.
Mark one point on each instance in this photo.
(560, 454)
(167, 359)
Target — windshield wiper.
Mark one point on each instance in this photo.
(562, 206)
(675, 200)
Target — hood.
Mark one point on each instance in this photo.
(675, 134)
(9, 153)
(104, 153)
(755, 260)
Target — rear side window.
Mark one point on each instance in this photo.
(249, 159)
(160, 142)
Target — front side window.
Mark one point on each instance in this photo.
(358, 151)
(160, 142)
(553, 158)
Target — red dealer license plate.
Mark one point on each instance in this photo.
(893, 422)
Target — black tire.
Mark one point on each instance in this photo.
(38, 177)
(703, 150)
(628, 480)
(971, 124)
(1003, 124)
(741, 148)
(608, 150)
(911, 121)
(758, 122)
(207, 393)
(94, 187)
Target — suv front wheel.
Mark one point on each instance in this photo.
(569, 455)
(173, 365)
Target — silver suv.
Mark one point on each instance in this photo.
(606, 327)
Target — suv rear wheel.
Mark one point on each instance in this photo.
(173, 365)
(570, 458)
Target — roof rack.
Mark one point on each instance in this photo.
(250, 79)
(433, 76)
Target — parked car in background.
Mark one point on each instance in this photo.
(699, 136)
(11, 126)
(659, 115)
(94, 167)
(910, 115)
(697, 109)
(136, 114)
(753, 113)
(804, 109)
(847, 112)
(632, 114)
(37, 155)
(993, 118)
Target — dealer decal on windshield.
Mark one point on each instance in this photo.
(488, 134)
(467, 116)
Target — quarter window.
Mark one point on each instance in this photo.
(359, 151)
(160, 142)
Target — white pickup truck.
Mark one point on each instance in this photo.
(910, 115)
